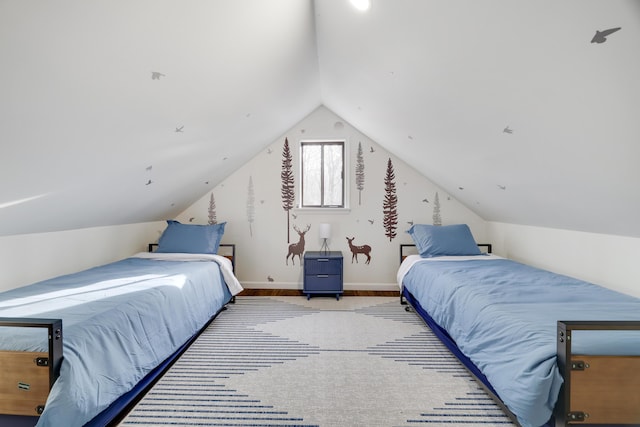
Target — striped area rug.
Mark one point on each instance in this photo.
(288, 361)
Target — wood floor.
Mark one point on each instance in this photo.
(298, 292)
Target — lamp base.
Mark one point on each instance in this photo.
(324, 246)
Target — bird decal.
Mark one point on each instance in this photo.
(269, 278)
(601, 36)
(179, 129)
(370, 221)
(507, 130)
(149, 182)
(371, 150)
(502, 187)
(425, 200)
(156, 75)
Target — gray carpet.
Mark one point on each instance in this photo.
(286, 361)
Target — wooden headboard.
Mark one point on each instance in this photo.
(227, 250)
(405, 247)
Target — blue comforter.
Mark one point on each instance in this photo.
(503, 316)
(120, 321)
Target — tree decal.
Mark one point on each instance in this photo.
(212, 210)
(359, 173)
(251, 206)
(390, 203)
(287, 182)
(437, 220)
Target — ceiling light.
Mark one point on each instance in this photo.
(361, 4)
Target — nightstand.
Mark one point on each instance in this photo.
(323, 273)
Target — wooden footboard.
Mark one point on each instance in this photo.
(27, 377)
(597, 389)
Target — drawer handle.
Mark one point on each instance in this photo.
(323, 275)
(323, 260)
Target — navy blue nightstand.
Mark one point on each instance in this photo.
(323, 273)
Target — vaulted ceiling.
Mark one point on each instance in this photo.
(126, 111)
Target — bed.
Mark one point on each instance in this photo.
(551, 349)
(96, 339)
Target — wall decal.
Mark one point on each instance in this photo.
(148, 169)
(192, 218)
(359, 173)
(251, 206)
(437, 219)
(507, 130)
(601, 36)
(297, 248)
(410, 137)
(410, 223)
(338, 125)
(390, 203)
(371, 150)
(370, 221)
(425, 200)
(287, 190)
(460, 188)
(502, 187)
(269, 150)
(156, 75)
(269, 278)
(179, 129)
(355, 250)
(212, 210)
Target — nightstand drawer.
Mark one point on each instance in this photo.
(323, 282)
(322, 266)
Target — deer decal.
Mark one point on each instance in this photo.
(355, 250)
(297, 248)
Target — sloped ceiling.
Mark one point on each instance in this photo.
(119, 112)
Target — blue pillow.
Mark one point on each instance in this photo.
(190, 238)
(440, 240)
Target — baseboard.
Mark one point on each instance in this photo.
(298, 286)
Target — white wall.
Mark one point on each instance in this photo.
(28, 258)
(262, 248)
(607, 260)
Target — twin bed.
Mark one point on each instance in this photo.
(77, 349)
(551, 349)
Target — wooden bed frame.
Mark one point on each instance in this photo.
(26, 377)
(597, 390)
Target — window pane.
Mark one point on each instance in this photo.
(333, 175)
(311, 168)
(322, 174)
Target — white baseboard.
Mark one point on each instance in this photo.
(347, 286)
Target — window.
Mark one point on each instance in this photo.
(322, 174)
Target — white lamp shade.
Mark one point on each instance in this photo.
(325, 231)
